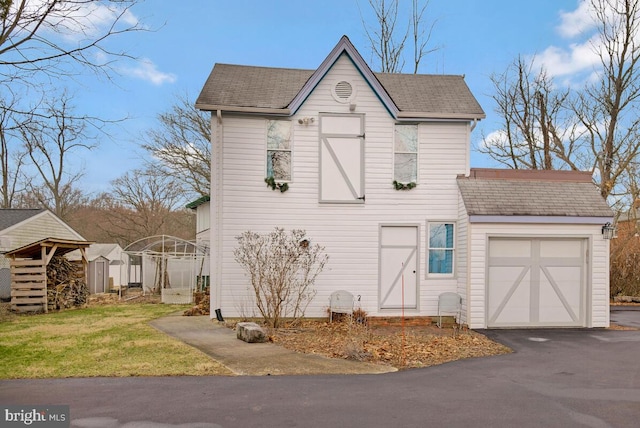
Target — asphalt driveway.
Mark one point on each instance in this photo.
(555, 378)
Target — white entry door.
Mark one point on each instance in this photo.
(536, 282)
(342, 158)
(398, 267)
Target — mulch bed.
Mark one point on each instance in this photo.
(408, 347)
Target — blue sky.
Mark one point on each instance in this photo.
(476, 38)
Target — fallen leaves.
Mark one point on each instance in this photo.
(414, 346)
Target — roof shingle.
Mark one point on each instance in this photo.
(10, 217)
(278, 90)
(531, 193)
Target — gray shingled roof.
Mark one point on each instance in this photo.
(430, 93)
(10, 217)
(262, 87)
(246, 86)
(531, 193)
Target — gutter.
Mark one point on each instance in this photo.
(256, 110)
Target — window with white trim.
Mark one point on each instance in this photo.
(405, 156)
(279, 149)
(441, 248)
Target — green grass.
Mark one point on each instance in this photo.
(111, 340)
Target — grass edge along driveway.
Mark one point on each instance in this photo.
(105, 341)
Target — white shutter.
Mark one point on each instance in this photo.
(342, 158)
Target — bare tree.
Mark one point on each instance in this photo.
(388, 37)
(12, 153)
(143, 203)
(51, 137)
(608, 109)
(595, 127)
(422, 32)
(45, 37)
(181, 146)
(42, 43)
(538, 128)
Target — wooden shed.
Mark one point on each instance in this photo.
(29, 271)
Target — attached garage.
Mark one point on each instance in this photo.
(536, 282)
(537, 254)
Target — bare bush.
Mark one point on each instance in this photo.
(625, 261)
(282, 268)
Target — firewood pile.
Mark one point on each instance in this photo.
(64, 288)
(202, 305)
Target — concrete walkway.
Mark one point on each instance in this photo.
(255, 359)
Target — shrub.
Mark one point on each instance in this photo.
(282, 268)
(625, 261)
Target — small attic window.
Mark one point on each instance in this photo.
(343, 91)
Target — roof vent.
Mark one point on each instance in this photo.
(343, 91)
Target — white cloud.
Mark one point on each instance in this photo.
(576, 62)
(575, 58)
(77, 21)
(495, 138)
(146, 70)
(578, 21)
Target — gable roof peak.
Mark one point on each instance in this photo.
(344, 45)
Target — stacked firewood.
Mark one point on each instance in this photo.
(202, 304)
(64, 288)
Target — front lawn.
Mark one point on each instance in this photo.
(109, 340)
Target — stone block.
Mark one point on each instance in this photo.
(250, 332)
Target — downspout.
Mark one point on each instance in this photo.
(468, 150)
(473, 125)
(215, 254)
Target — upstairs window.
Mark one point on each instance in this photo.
(405, 159)
(279, 149)
(441, 248)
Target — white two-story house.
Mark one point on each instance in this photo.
(378, 172)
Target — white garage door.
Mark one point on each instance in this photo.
(536, 282)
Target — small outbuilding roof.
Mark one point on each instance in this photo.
(195, 204)
(268, 90)
(501, 192)
(62, 246)
(10, 217)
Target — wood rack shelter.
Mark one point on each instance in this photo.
(29, 271)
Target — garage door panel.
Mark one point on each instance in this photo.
(507, 300)
(505, 282)
(551, 293)
(561, 248)
(561, 294)
(510, 248)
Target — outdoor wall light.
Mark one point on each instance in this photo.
(608, 231)
(306, 120)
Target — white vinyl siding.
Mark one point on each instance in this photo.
(349, 232)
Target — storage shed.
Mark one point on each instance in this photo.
(19, 227)
(98, 278)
